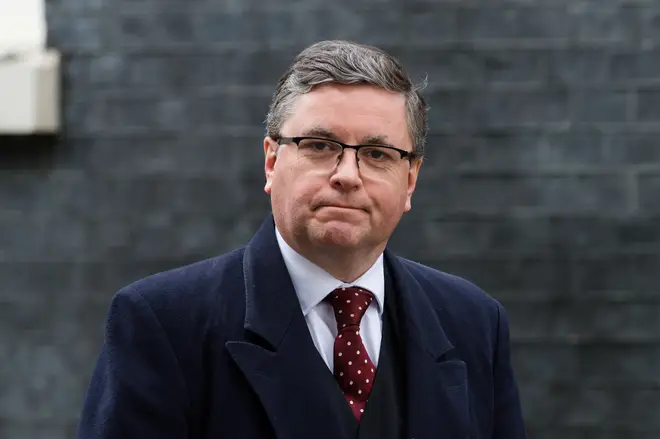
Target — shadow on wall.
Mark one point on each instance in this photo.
(28, 152)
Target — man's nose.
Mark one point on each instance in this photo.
(348, 157)
(347, 171)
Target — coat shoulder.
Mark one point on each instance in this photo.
(439, 283)
(455, 297)
(195, 293)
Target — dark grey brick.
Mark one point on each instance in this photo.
(497, 108)
(229, 109)
(448, 106)
(593, 235)
(166, 194)
(453, 236)
(576, 65)
(639, 66)
(639, 234)
(633, 149)
(166, 156)
(183, 73)
(122, 113)
(620, 363)
(605, 194)
(639, 406)
(34, 430)
(600, 105)
(86, 33)
(584, 406)
(613, 22)
(588, 320)
(166, 74)
(29, 280)
(468, 66)
(173, 27)
(548, 194)
(75, 6)
(649, 193)
(515, 21)
(519, 236)
(296, 26)
(76, 72)
(482, 193)
(426, 22)
(50, 358)
(144, 25)
(648, 105)
(238, 67)
(215, 25)
(443, 67)
(576, 147)
(514, 66)
(652, 24)
(501, 275)
(520, 107)
(504, 150)
(38, 191)
(622, 272)
(371, 25)
(54, 236)
(464, 235)
(545, 364)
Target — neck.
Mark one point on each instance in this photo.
(347, 265)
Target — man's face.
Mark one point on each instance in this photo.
(342, 206)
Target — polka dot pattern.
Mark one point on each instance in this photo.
(354, 370)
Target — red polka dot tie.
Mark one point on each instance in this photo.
(353, 368)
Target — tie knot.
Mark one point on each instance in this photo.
(350, 304)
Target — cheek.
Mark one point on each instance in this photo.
(294, 191)
(390, 201)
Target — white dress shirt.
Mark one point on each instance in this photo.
(313, 284)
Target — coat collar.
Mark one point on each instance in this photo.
(270, 297)
(420, 319)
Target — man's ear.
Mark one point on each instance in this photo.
(413, 173)
(270, 157)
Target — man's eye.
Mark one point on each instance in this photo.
(320, 146)
(376, 154)
(379, 154)
(315, 145)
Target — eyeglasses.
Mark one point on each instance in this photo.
(326, 154)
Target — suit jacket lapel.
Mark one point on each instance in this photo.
(437, 398)
(278, 357)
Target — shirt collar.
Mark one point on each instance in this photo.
(313, 284)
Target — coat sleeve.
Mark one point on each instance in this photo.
(137, 389)
(508, 417)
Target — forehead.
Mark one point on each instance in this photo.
(352, 113)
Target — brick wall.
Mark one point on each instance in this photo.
(541, 183)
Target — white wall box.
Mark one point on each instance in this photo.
(29, 72)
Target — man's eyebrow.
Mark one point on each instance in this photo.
(320, 132)
(375, 140)
(325, 133)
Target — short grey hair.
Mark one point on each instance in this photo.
(345, 62)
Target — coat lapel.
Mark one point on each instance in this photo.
(278, 356)
(437, 388)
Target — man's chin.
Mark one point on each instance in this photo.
(337, 234)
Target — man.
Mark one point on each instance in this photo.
(314, 329)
